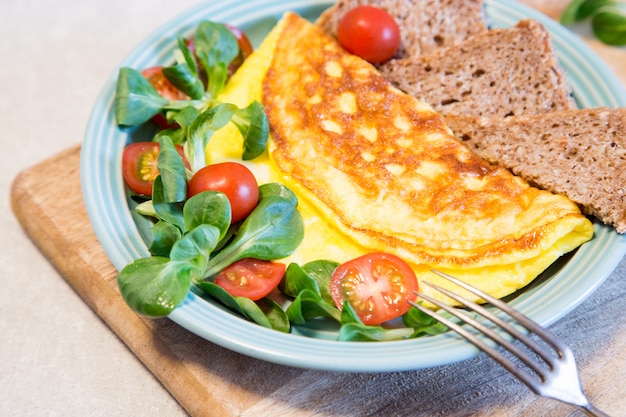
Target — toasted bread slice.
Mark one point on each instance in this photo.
(501, 72)
(425, 25)
(578, 153)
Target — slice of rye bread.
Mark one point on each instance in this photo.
(578, 153)
(501, 72)
(425, 25)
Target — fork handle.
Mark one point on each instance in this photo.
(592, 411)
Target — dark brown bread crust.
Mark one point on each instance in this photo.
(501, 72)
(578, 153)
(425, 25)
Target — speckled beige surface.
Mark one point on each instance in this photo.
(59, 358)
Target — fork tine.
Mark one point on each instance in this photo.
(530, 324)
(560, 382)
(513, 331)
(478, 342)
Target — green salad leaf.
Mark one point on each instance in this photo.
(136, 101)
(264, 312)
(608, 18)
(155, 286)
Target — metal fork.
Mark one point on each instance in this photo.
(557, 377)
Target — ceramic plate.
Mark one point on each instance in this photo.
(561, 288)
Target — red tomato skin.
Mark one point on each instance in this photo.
(251, 278)
(370, 33)
(140, 165)
(365, 282)
(231, 178)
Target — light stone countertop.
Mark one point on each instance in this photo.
(57, 358)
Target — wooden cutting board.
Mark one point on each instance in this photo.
(209, 380)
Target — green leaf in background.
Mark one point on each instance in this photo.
(590, 7)
(570, 13)
(609, 25)
(608, 19)
(136, 101)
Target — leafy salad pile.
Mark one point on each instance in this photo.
(197, 243)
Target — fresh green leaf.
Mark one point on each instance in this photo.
(608, 19)
(313, 276)
(208, 207)
(353, 329)
(171, 212)
(195, 247)
(136, 101)
(275, 314)
(609, 25)
(321, 271)
(186, 116)
(172, 170)
(155, 286)
(177, 135)
(353, 332)
(254, 127)
(273, 230)
(164, 235)
(215, 47)
(188, 55)
(264, 312)
(309, 305)
(589, 8)
(277, 189)
(422, 323)
(146, 208)
(201, 131)
(572, 12)
(183, 78)
(297, 280)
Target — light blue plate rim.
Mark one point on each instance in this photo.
(106, 204)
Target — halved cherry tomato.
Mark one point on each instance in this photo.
(139, 165)
(234, 180)
(370, 33)
(251, 278)
(377, 285)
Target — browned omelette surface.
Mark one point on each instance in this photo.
(384, 169)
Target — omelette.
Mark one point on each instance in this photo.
(377, 170)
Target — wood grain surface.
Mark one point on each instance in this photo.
(209, 380)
